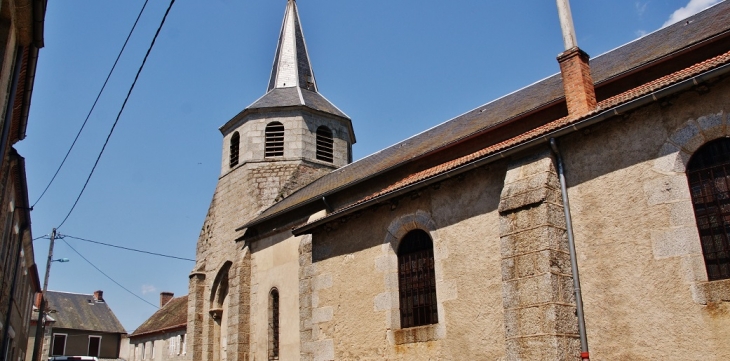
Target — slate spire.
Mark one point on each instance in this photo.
(291, 64)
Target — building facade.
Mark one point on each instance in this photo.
(466, 241)
(21, 36)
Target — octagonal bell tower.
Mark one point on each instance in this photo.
(292, 121)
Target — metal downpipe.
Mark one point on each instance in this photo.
(584, 355)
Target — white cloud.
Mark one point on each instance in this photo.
(641, 7)
(148, 289)
(693, 7)
(639, 33)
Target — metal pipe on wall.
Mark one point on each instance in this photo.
(571, 247)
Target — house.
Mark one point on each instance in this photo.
(162, 337)
(21, 37)
(582, 216)
(82, 325)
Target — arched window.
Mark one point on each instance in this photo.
(274, 324)
(235, 143)
(708, 174)
(274, 140)
(417, 280)
(325, 144)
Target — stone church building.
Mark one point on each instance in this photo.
(586, 215)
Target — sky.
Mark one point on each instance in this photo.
(396, 68)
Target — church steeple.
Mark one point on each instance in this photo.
(291, 63)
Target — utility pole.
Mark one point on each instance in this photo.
(41, 324)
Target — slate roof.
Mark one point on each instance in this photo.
(650, 48)
(539, 132)
(81, 312)
(292, 81)
(295, 96)
(171, 316)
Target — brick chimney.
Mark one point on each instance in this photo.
(580, 94)
(99, 296)
(165, 297)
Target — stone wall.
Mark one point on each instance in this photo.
(504, 286)
(300, 129)
(354, 284)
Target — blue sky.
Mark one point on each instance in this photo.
(395, 67)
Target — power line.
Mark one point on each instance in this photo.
(129, 93)
(93, 105)
(126, 248)
(106, 275)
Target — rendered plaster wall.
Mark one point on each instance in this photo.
(275, 264)
(354, 284)
(643, 279)
(162, 347)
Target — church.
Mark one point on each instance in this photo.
(585, 216)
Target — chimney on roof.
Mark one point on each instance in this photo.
(99, 296)
(165, 297)
(580, 95)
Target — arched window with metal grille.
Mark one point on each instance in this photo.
(274, 324)
(234, 149)
(325, 144)
(708, 174)
(274, 146)
(417, 280)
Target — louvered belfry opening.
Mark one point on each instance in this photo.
(325, 144)
(234, 150)
(274, 140)
(274, 324)
(417, 280)
(708, 174)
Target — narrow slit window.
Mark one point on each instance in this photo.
(274, 324)
(417, 280)
(325, 144)
(708, 175)
(234, 150)
(274, 140)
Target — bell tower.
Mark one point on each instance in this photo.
(285, 140)
(292, 122)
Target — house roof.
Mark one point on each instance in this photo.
(81, 312)
(172, 315)
(605, 67)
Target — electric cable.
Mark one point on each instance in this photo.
(93, 106)
(126, 248)
(106, 275)
(43, 236)
(111, 131)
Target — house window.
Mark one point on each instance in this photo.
(325, 144)
(235, 144)
(274, 324)
(94, 346)
(184, 345)
(416, 280)
(59, 344)
(708, 174)
(274, 140)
